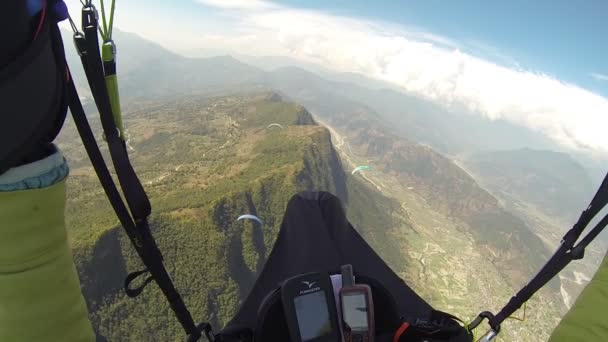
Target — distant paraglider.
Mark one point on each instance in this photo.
(361, 168)
(250, 217)
(275, 125)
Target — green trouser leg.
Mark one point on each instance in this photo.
(587, 320)
(40, 297)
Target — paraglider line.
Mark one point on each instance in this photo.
(521, 319)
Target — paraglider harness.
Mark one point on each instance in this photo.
(45, 56)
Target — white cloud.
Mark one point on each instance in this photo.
(421, 63)
(599, 77)
(571, 115)
(240, 4)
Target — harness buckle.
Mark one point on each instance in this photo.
(111, 45)
(80, 43)
(90, 17)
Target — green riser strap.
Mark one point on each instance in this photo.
(112, 85)
(107, 55)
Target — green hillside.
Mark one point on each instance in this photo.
(466, 253)
(204, 162)
(548, 190)
(504, 238)
(551, 181)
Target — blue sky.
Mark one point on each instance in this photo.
(542, 64)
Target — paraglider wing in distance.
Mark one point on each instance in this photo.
(251, 217)
(275, 125)
(361, 168)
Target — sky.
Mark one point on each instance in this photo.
(555, 36)
(541, 64)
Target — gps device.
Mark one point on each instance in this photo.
(309, 306)
(357, 309)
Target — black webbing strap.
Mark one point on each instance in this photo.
(135, 195)
(134, 219)
(566, 252)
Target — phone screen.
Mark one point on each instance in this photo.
(354, 311)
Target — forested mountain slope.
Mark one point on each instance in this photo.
(204, 162)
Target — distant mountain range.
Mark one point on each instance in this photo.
(146, 69)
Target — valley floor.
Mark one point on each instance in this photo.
(447, 268)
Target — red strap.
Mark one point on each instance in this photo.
(400, 331)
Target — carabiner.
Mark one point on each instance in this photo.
(484, 315)
(489, 336)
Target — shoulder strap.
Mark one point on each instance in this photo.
(133, 218)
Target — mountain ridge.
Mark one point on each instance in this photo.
(229, 163)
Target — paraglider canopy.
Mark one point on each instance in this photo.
(250, 217)
(361, 168)
(275, 125)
